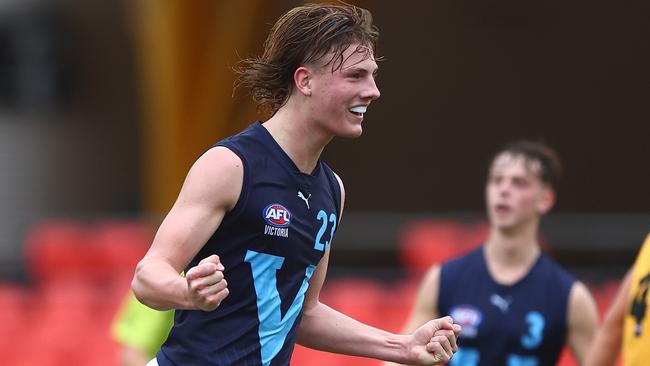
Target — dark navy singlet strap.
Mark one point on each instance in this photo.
(245, 188)
(305, 179)
(335, 186)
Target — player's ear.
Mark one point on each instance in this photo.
(547, 200)
(302, 79)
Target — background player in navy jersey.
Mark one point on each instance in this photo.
(516, 306)
(255, 218)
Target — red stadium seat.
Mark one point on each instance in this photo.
(119, 245)
(566, 359)
(397, 307)
(55, 250)
(604, 295)
(15, 321)
(426, 242)
(103, 251)
(70, 322)
(358, 298)
(122, 243)
(81, 274)
(305, 356)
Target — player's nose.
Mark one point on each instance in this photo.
(372, 91)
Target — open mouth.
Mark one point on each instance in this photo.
(359, 110)
(502, 209)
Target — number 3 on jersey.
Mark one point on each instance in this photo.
(531, 339)
(322, 216)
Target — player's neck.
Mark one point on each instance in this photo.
(298, 141)
(511, 253)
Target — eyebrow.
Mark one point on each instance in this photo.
(353, 69)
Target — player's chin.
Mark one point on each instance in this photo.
(504, 225)
(352, 132)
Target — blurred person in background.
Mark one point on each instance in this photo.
(253, 224)
(515, 304)
(140, 331)
(626, 325)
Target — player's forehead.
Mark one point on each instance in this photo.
(357, 54)
(354, 56)
(507, 163)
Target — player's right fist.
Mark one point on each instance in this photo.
(434, 343)
(206, 284)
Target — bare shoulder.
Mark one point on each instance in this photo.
(580, 293)
(432, 278)
(425, 306)
(218, 160)
(427, 298)
(582, 306)
(217, 176)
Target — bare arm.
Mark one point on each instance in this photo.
(426, 302)
(211, 188)
(326, 329)
(607, 344)
(583, 319)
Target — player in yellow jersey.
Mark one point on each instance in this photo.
(627, 324)
(140, 331)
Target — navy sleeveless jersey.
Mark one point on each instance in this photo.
(269, 244)
(524, 324)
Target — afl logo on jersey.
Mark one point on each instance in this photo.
(468, 317)
(277, 215)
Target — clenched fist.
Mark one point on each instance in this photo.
(434, 343)
(206, 284)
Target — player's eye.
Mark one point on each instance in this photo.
(520, 182)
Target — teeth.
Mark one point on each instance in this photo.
(359, 109)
